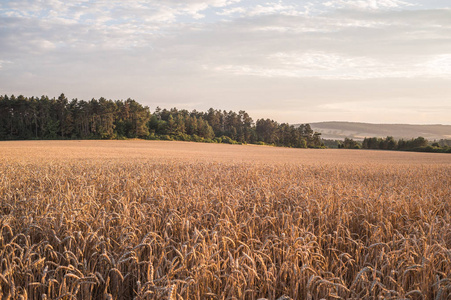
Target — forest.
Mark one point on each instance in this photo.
(25, 118)
(418, 144)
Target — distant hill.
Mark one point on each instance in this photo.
(358, 131)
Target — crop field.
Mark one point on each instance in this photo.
(177, 220)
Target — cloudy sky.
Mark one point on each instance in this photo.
(379, 61)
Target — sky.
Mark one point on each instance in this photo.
(376, 61)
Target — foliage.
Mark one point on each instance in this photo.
(332, 144)
(444, 143)
(231, 128)
(44, 118)
(349, 144)
(419, 144)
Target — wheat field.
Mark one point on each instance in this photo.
(174, 220)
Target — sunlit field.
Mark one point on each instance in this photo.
(175, 220)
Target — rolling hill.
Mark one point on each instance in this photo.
(358, 131)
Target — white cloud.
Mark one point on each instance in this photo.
(46, 45)
(339, 67)
(439, 65)
(273, 8)
(367, 4)
(231, 11)
(321, 61)
(131, 11)
(218, 52)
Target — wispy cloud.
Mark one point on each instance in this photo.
(2, 62)
(228, 52)
(439, 65)
(334, 66)
(367, 4)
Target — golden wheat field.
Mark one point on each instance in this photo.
(174, 220)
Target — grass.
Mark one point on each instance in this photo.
(170, 220)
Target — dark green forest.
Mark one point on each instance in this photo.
(418, 144)
(25, 118)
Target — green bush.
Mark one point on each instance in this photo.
(227, 140)
(165, 137)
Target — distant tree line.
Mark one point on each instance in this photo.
(349, 144)
(442, 143)
(418, 144)
(229, 127)
(58, 118)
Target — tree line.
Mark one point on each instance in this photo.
(419, 144)
(42, 117)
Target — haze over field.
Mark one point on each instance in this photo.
(358, 131)
(379, 61)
